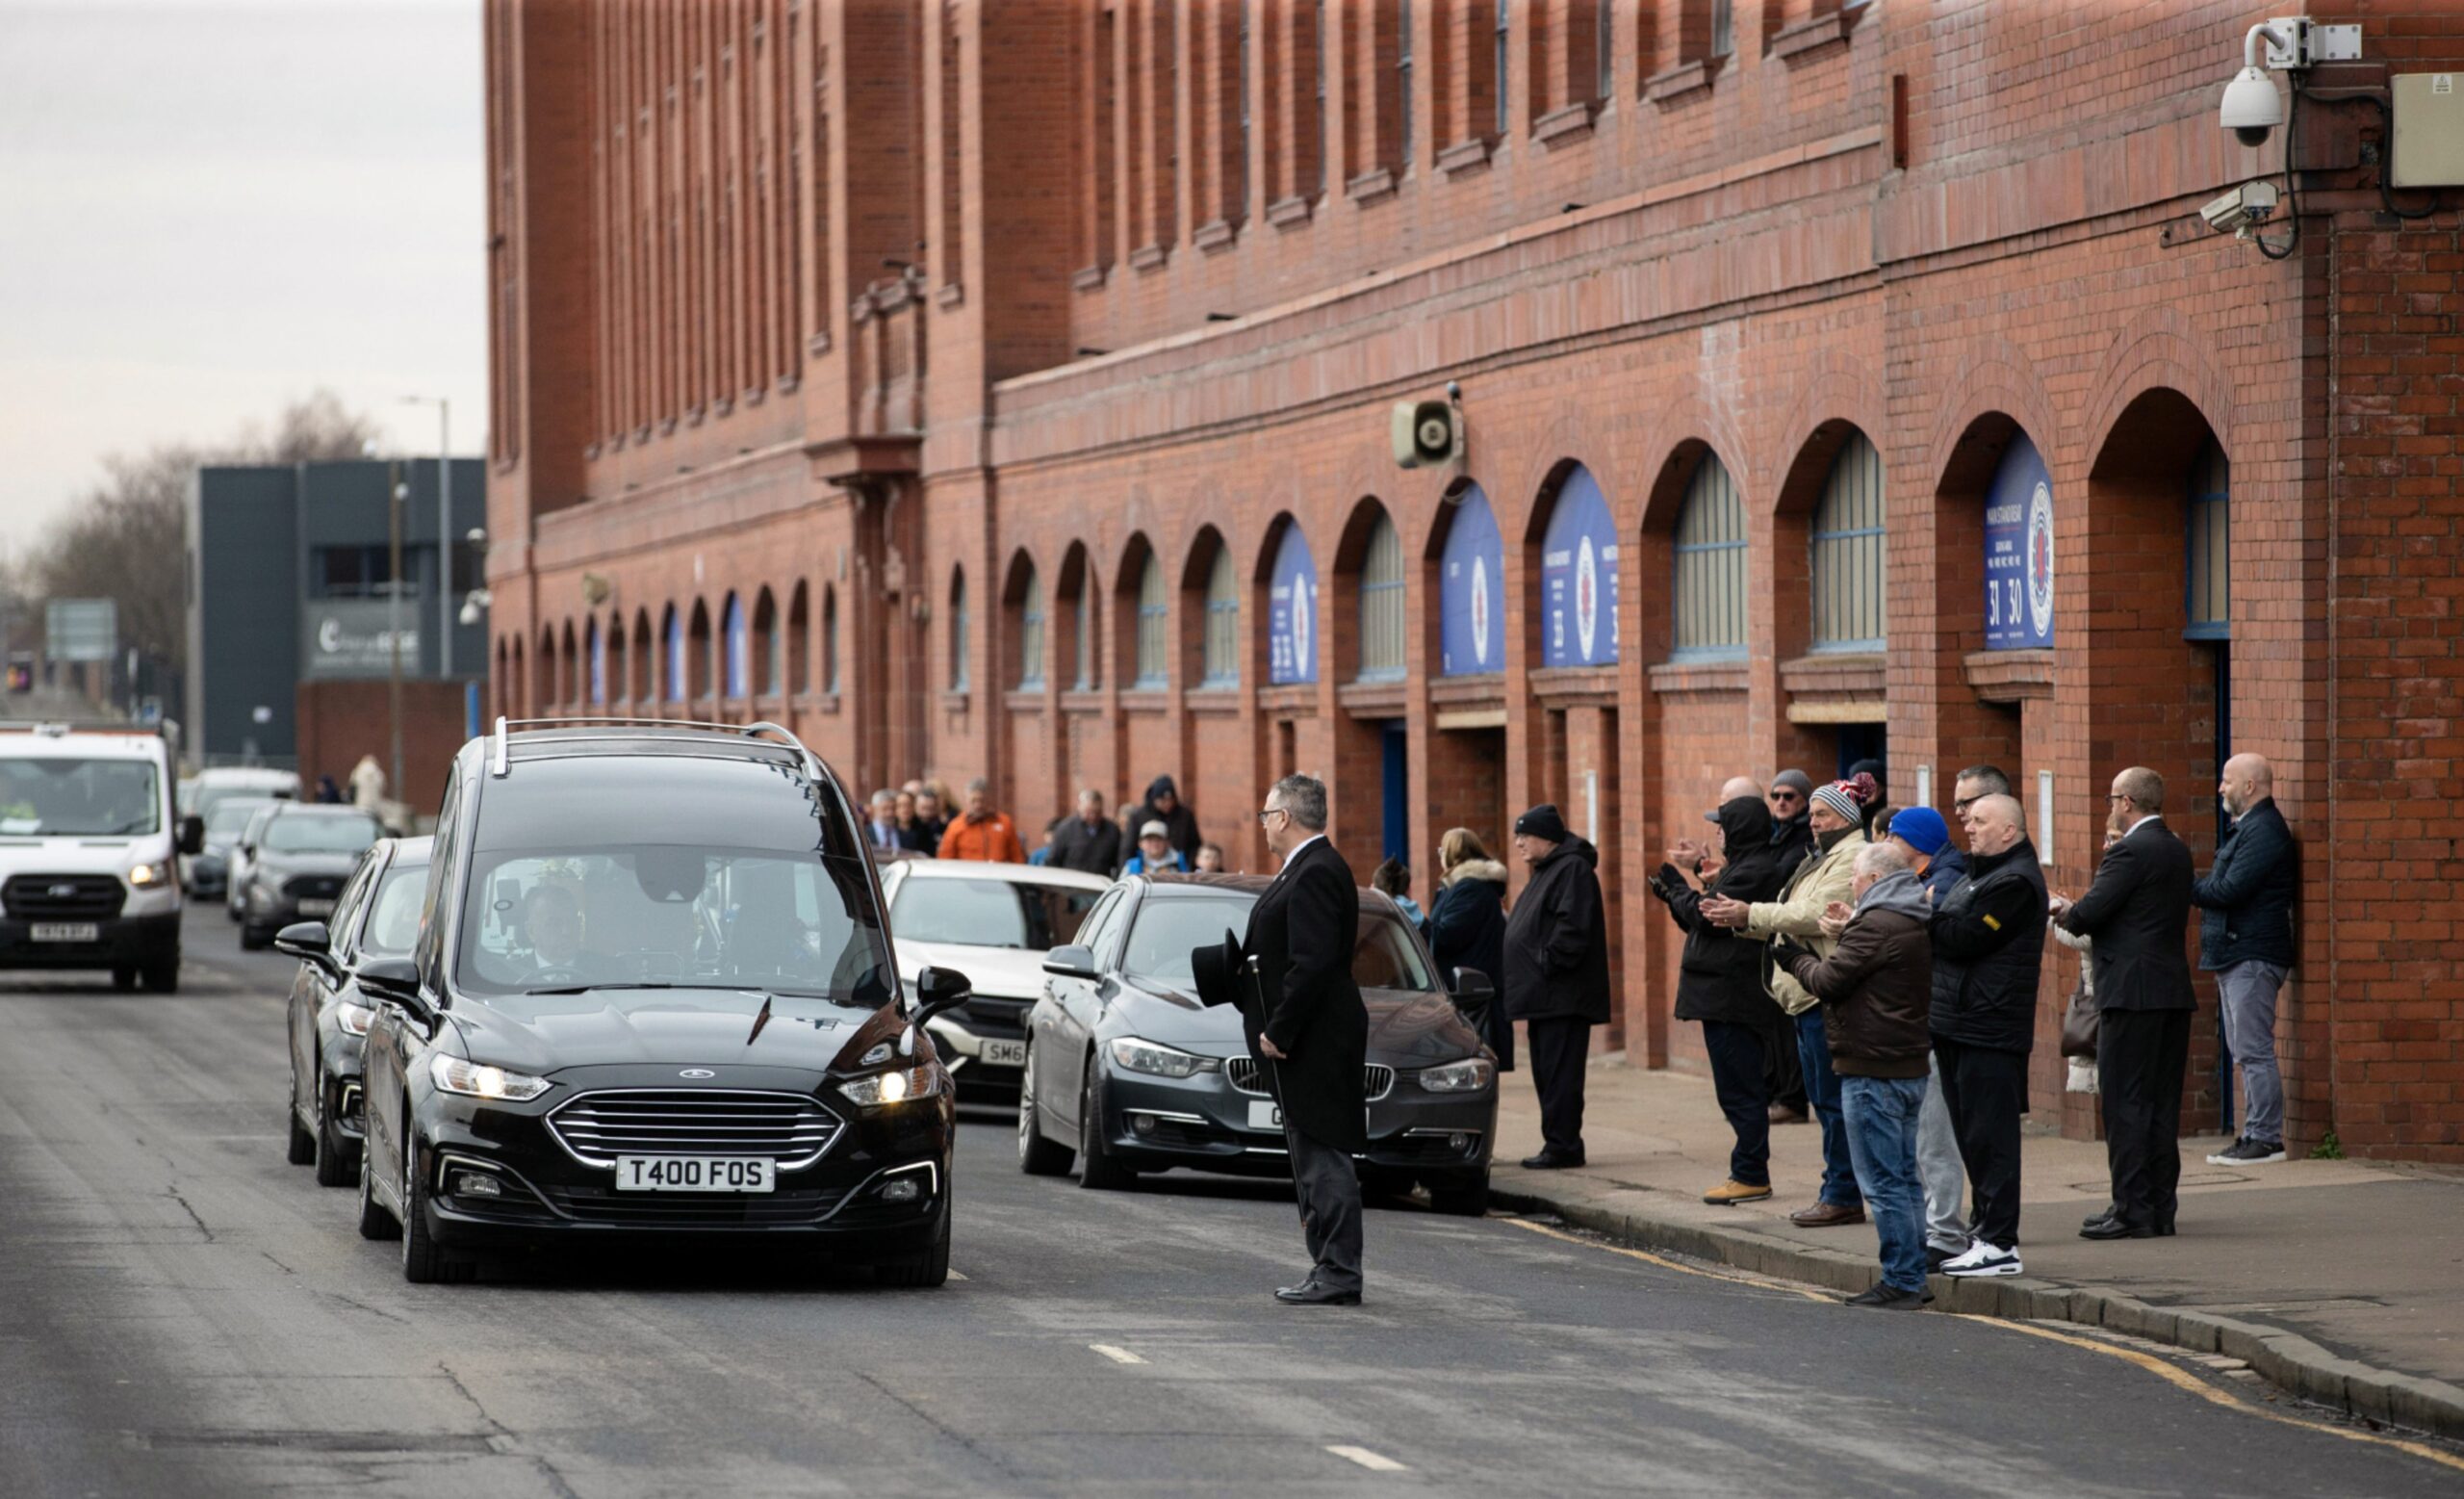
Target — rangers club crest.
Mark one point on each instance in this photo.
(1586, 597)
(1480, 611)
(2040, 562)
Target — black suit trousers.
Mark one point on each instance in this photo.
(1322, 1179)
(2140, 1055)
(1560, 1047)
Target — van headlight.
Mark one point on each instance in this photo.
(1138, 1056)
(895, 1086)
(146, 877)
(1469, 1075)
(478, 1080)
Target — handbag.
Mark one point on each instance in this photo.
(2079, 1025)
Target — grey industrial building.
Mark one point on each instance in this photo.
(289, 578)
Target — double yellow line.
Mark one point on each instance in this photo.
(2180, 1378)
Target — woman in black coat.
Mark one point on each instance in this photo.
(1467, 928)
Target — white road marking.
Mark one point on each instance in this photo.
(1116, 1354)
(1376, 1462)
(954, 1275)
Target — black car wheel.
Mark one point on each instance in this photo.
(1461, 1199)
(1038, 1156)
(1096, 1171)
(374, 1222)
(163, 976)
(336, 1157)
(301, 1147)
(125, 979)
(927, 1268)
(424, 1261)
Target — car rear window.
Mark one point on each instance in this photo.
(979, 913)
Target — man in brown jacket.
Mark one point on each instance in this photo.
(1876, 990)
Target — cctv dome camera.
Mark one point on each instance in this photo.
(2251, 107)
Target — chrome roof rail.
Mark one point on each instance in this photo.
(616, 727)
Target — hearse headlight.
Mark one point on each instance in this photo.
(898, 1085)
(1469, 1075)
(354, 1020)
(478, 1080)
(1140, 1055)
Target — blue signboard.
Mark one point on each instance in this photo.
(1470, 579)
(2018, 552)
(1292, 612)
(1579, 577)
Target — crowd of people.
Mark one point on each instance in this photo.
(1847, 960)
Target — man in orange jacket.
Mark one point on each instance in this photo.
(983, 834)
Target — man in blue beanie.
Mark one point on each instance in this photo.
(1926, 839)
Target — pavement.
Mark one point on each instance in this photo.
(183, 1315)
(2342, 1280)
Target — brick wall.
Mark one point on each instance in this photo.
(1751, 258)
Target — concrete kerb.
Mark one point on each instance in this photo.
(2286, 1359)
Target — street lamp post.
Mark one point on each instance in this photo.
(396, 491)
(443, 529)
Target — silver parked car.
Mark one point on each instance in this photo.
(1127, 1072)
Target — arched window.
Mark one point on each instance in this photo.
(675, 656)
(2209, 597)
(1223, 621)
(770, 661)
(829, 640)
(595, 645)
(739, 648)
(645, 664)
(1847, 562)
(1031, 631)
(1711, 564)
(799, 666)
(961, 673)
(1382, 605)
(1154, 618)
(1083, 631)
(619, 675)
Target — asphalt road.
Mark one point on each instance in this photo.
(181, 1314)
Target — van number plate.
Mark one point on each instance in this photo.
(66, 932)
(694, 1173)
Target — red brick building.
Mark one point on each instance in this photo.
(1004, 388)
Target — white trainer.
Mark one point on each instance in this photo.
(1983, 1259)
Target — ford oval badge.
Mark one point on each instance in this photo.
(697, 1071)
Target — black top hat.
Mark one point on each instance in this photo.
(1217, 968)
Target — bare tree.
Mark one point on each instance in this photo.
(126, 537)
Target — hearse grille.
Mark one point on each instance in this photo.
(788, 1128)
(1376, 1079)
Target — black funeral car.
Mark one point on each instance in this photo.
(652, 996)
(1127, 1072)
(377, 915)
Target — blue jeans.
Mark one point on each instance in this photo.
(1882, 1136)
(1822, 1091)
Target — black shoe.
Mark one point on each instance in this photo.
(1309, 1293)
(1551, 1160)
(2248, 1153)
(2119, 1229)
(1887, 1297)
(1936, 1259)
(2106, 1216)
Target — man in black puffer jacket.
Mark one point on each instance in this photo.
(1719, 981)
(1556, 974)
(1988, 947)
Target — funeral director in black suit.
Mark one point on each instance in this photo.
(1312, 1038)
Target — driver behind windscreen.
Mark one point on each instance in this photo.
(554, 917)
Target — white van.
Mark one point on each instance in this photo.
(88, 845)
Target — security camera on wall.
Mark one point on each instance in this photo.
(2251, 108)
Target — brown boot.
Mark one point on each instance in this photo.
(1728, 1194)
(1827, 1215)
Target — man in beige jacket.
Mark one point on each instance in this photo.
(1821, 879)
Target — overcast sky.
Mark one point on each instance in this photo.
(210, 207)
